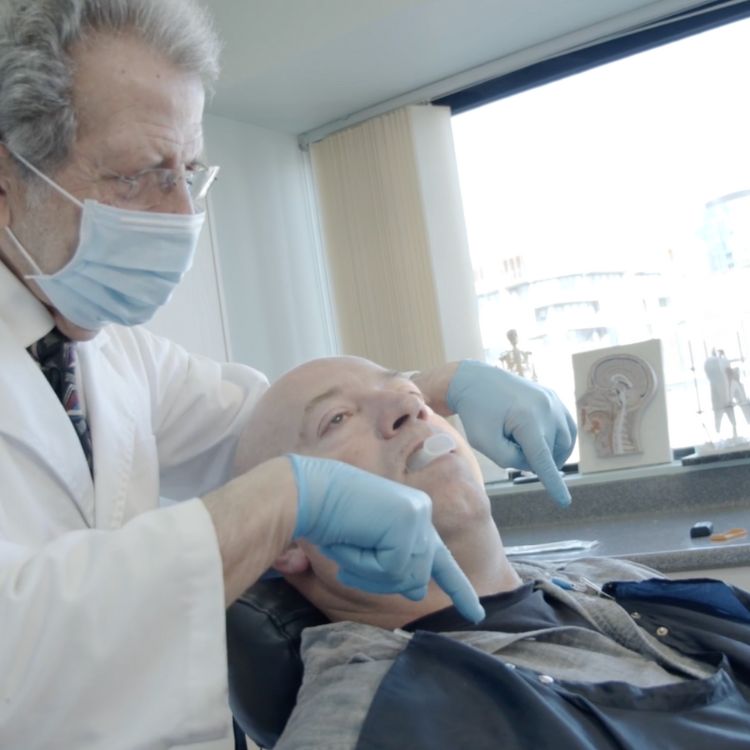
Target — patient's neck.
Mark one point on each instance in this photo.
(479, 553)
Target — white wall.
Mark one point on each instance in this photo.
(194, 317)
(265, 229)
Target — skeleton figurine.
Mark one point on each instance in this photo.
(516, 360)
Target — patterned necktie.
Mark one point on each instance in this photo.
(56, 356)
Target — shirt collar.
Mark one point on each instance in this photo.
(21, 311)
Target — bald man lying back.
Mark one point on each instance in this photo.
(555, 664)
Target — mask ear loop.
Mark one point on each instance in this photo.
(21, 249)
(37, 271)
(44, 177)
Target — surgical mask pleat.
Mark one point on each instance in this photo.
(139, 288)
(81, 304)
(145, 221)
(167, 251)
(139, 300)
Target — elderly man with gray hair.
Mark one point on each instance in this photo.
(112, 608)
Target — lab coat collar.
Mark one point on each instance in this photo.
(113, 423)
(33, 416)
(25, 316)
(36, 418)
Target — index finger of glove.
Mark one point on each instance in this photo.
(540, 460)
(453, 581)
(565, 430)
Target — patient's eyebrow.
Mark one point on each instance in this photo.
(337, 391)
(313, 402)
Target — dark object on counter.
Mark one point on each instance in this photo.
(712, 458)
(702, 528)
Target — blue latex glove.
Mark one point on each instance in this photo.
(514, 422)
(378, 531)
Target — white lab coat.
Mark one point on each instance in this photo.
(112, 610)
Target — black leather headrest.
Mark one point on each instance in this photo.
(265, 670)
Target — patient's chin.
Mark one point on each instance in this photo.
(453, 486)
(454, 467)
(459, 506)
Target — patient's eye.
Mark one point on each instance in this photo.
(334, 421)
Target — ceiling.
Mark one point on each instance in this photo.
(296, 65)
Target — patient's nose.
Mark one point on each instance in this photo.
(397, 410)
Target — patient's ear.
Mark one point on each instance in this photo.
(293, 560)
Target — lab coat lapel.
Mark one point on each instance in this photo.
(112, 420)
(33, 416)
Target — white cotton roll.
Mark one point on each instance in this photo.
(435, 446)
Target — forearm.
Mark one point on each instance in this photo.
(254, 516)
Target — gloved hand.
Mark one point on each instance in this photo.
(378, 531)
(514, 422)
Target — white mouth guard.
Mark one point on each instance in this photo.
(434, 447)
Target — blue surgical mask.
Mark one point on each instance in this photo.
(125, 267)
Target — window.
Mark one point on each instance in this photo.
(613, 206)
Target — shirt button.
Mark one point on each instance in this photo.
(509, 665)
(662, 631)
(635, 615)
(546, 679)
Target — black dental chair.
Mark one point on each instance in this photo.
(265, 670)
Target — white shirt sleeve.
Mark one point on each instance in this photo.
(115, 638)
(199, 408)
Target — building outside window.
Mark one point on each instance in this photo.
(613, 206)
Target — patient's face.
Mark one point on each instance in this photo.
(352, 410)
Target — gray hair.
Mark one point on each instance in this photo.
(37, 116)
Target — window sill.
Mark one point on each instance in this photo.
(643, 514)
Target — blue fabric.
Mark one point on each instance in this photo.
(441, 694)
(699, 594)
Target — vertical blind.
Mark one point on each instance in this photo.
(377, 244)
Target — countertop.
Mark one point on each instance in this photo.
(642, 515)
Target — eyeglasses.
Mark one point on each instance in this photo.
(142, 186)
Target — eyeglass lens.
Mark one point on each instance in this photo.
(200, 182)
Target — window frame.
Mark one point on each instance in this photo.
(692, 21)
(706, 16)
